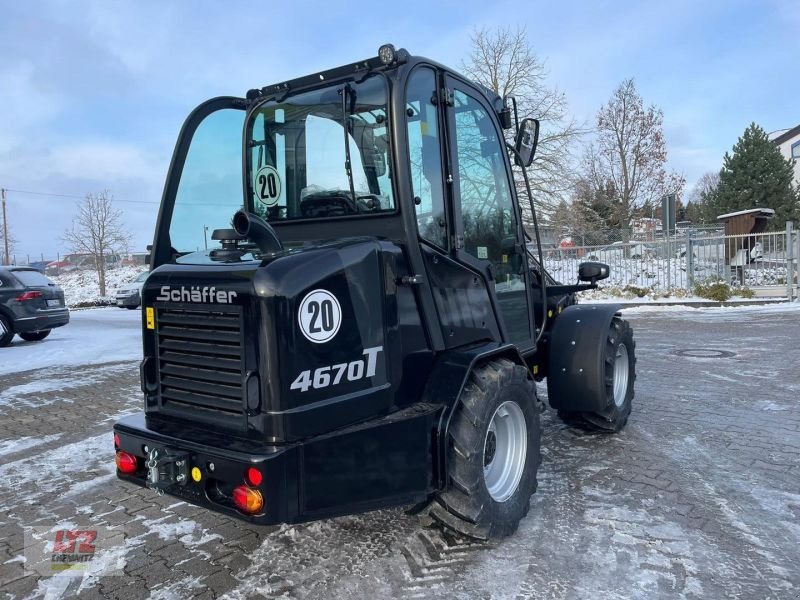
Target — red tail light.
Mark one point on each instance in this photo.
(253, 476)
(248, 500)
(28, 296)
(116, 441)
(126, 463)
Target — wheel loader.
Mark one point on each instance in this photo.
(346, 312)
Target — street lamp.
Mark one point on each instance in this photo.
(205, 235)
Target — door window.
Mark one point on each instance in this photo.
(424, 149)
(489, 222)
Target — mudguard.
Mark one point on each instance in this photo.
(445, 383)
(576, 373)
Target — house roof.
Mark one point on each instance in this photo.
(787, 135)
(759, 212)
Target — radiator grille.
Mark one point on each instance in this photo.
(201, 360)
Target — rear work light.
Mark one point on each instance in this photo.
(126, 463)
(28, 296)
(248, 500)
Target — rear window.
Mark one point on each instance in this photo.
(32, 278)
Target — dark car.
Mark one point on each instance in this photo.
(30, 305)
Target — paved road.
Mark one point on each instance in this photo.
(698, 498)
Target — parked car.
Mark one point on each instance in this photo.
(57, 267)
(30, 305)
(130, 295)
(616, 251)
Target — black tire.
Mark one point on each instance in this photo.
(132, 307)
(6, 331)
(35, 336)
(614, 416)
(466, 506)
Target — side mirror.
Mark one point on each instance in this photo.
(526, 142)
(593, 271)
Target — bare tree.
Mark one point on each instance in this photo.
(11, 241)
(98, 231)
(630, 153)
(504, 61)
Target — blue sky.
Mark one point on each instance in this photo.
(92, 94)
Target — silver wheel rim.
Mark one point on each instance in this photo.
(504, 451)
(621, 375)
(3, 329)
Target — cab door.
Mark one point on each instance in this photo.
(488, 231)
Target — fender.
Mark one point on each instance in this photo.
(445, 384)
(576, 369)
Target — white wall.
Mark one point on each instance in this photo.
(786, 150)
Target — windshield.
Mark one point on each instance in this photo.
(297, 157)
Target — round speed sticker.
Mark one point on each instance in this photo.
(320, 316)
(267, 185)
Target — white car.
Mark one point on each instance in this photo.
(130, 295)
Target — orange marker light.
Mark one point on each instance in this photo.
(248, 500)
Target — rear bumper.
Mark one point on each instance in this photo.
(46, 320)
(383, 462)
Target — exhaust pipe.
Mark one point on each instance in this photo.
(258, 231)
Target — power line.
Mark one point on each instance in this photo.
(50, 194)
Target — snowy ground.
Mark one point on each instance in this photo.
(697, 498)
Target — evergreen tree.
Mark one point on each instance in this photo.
(756, 175)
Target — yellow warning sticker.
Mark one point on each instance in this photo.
(150, 313)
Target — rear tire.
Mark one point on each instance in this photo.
(132, 307)
(35, 336)
(619, 357)
(6, 331)
(493, 453)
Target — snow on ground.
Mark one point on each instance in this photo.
(81, 287)
(92, 337)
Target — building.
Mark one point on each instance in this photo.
(789, 144)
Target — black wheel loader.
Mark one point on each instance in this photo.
(365, 323)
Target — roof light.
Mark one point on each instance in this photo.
(248, 500)
(387, 54)
(253, 476)
(28, 296)
(126, 463)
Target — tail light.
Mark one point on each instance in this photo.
(253, 476)
(248, 500)
(25, 296)
(126, 463)
(116, 441)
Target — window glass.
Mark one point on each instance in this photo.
(210, 189)
(297, 159)
(424, 150)
(489, 222)
(32, 278)
(796, 150)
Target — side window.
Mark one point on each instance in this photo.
(489, 222)
(425, 157)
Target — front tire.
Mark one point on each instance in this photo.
(493, 453)
(6, 331)
(35, 336)
(619, 359)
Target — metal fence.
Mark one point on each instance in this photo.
(59, 264)
(766, 263)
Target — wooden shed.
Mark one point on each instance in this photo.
(747, 224)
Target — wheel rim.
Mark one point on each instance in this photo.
(3, 329)
(504, 451)
(621, 367)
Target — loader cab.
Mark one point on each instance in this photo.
(396, 147)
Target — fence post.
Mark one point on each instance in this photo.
(689, 259)
(789, 261)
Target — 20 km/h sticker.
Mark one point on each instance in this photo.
(268, 185)
(319, 316)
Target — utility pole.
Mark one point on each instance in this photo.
(5, 226)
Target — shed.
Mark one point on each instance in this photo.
(747, 224)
